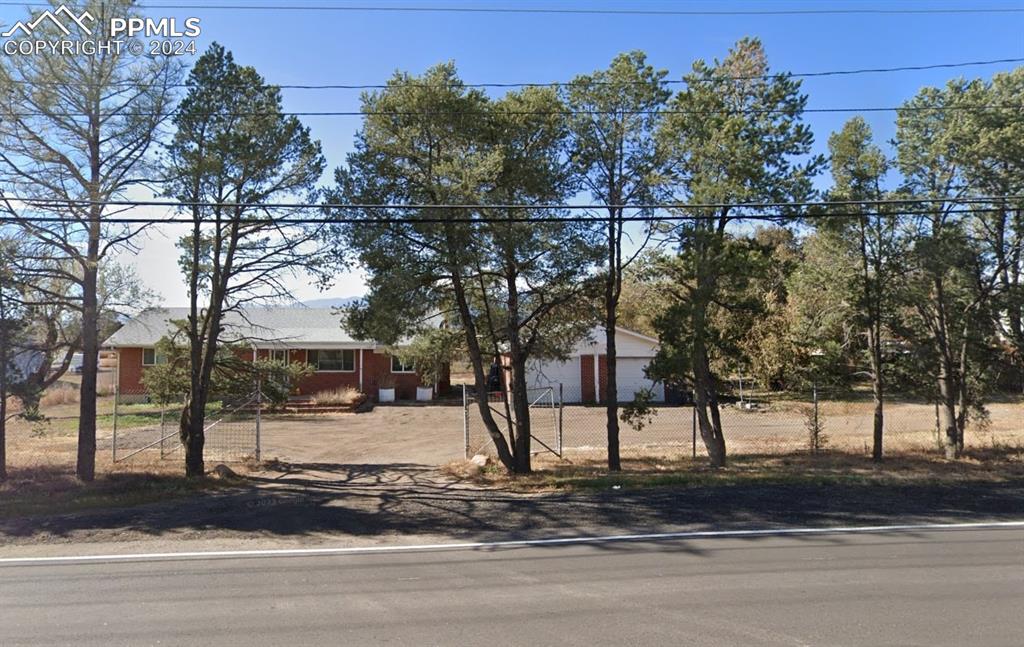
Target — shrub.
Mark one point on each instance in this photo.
(58, 396)
(343, 397)
(815, 426)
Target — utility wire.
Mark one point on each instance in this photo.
(560, 84)
(566, 10)
(806, 204)
(564, 113)
(486, 220)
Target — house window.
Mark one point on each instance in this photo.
(151, 358)
(279, 356)
(333, 360)
(397, 366)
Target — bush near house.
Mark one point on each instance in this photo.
(340, 397)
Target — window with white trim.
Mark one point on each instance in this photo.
(151, 358)
(326, 361)
(279, 356)
(398, 366)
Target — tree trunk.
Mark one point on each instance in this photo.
(86, 467)
(193, 423)
(517, 362)
(873, 307)
(705, 398)
(521, 409)
(947, 378)
(611, 395)
(4, 342)
(3, 423)
(476, 360)
(875, 344)
(613, 285)
(194, 432)
(947, 408)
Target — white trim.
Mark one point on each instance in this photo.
(361, 359)
(271, 352)
(634, 333)
(522, 543)
(597, 376)
(391, 365)
(156, 361)
(317, 368)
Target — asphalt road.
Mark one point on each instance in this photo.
(911, 587)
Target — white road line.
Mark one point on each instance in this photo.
(515, 543)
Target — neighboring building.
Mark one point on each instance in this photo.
(23, 363)
(587, 366)
(309, 335)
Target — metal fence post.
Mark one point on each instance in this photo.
(465, 422)
(561, 406)
(113, 439)
(815, 388)
(163, 432)
(259, 407)
(693, 425)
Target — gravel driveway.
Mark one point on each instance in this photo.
(423, 435)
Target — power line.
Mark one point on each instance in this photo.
(487, 220)
(558, 84)
(806, 204)
(563, 113)
(569, 11)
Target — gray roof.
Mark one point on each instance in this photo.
(295, 327)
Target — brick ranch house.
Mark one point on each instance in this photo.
(296, 334)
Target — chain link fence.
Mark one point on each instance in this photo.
(545, 423)
(131, 428)
(756, 423)
(142, 427)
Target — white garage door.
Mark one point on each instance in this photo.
(567, 374)
(631, 379)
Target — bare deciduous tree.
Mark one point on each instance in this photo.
(76, 131)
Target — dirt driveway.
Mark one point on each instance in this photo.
(424, 435)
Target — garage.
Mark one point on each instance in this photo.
(588, 365)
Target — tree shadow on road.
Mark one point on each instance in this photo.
(321, 502)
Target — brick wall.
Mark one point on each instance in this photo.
(129, 370)
(602, 376)
(587, 378)
(377, 367)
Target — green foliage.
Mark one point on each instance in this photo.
(235, 151)
(615, 155)
(615, 116)
(431, 352)
(234, 377)
(643, 296)
(503, 281)
(641, 411)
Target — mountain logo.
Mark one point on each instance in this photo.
(55, 18)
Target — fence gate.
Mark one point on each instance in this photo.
(545, 420)
(140, 429)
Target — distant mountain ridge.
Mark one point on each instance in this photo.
(331, 302)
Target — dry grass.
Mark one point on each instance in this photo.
(993, 465)
(41, 474)
(59, 395)
(47, 490)
(340, 397)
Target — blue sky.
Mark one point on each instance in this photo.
(319, 47)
